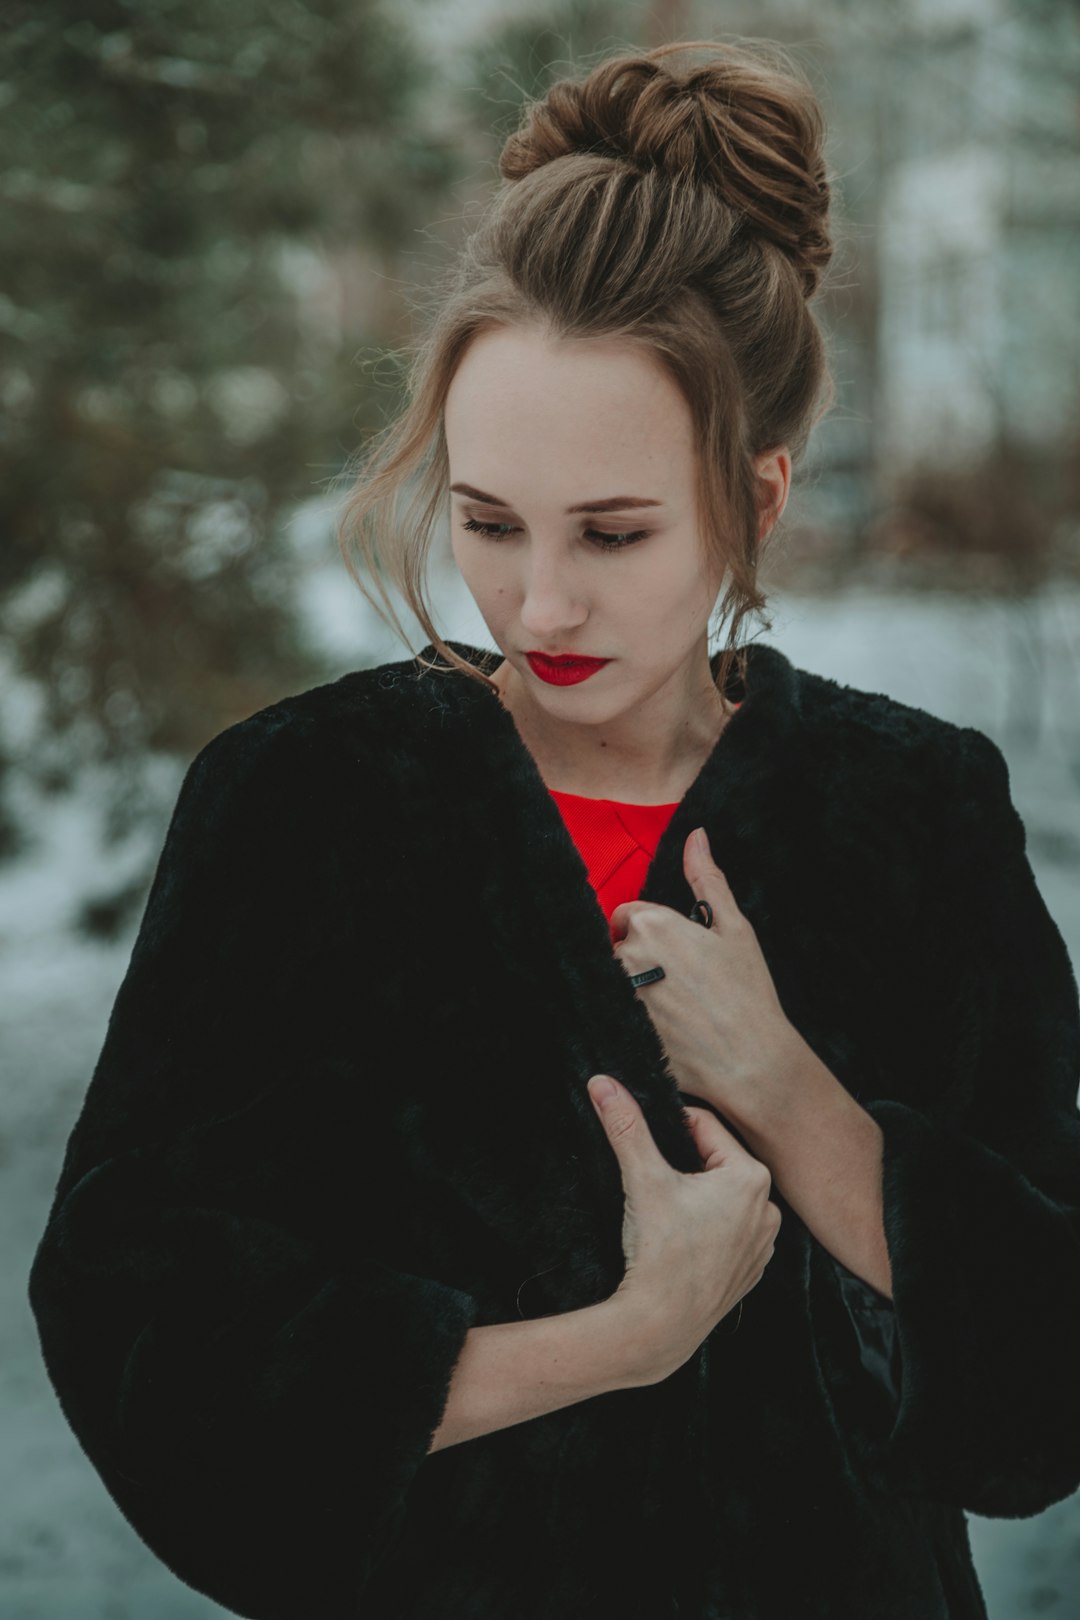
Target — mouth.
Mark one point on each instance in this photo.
(565, 668)
(565, 658)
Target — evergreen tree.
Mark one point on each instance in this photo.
(169, 387)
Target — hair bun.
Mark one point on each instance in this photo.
(751, 129)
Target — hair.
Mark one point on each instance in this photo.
(681, 208)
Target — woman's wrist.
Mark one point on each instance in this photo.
(638, 1357)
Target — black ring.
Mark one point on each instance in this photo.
(648, 977)
(704, 907)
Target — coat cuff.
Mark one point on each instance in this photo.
(871, 1324)
(986, 1304)
(239, 1400)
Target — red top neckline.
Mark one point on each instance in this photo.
(623, 804)
(616, 839)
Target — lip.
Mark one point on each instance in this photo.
(566, 670)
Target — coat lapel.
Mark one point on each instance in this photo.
(549, 910)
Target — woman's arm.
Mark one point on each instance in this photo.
(511, 1371)
(981, 1203)
(255, 1392)
(825, 1155)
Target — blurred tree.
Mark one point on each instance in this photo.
(176, 372)
(1004, 526)
(527, 52)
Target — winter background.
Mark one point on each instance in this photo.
(214, 229)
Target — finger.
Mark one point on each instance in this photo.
(705, 878)
(627, 1128)
(622, 915)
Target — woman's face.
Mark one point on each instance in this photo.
(537, 429)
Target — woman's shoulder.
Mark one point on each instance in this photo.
(335, 715)
(878, 747)
(297, 757)
(851, 716)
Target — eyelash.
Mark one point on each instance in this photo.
(615, 542)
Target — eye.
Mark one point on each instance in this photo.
(606, 542)
(612, 542)
(474, 526)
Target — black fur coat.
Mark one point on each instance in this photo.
(340, 1117)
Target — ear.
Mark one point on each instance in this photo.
(773, 468)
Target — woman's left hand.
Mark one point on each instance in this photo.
(726, 1036)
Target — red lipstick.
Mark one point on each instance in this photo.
(565, 670)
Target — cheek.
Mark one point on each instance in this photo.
(487, 582)
(666, 587)
(469, 564)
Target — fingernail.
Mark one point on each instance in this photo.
(602, 1089)
(701, 839)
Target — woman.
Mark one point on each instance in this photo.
(359, 1297)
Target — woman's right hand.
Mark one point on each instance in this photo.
(694, 1243)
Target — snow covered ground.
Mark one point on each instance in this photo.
(65, 1551)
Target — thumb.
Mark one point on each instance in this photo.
(716, 1144)
(622, 1118)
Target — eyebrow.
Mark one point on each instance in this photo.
(613, 503)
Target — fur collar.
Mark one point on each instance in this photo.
(535, 863)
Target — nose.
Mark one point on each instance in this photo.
(550, 601)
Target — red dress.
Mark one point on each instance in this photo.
(615, 840)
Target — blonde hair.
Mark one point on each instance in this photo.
(682, 208)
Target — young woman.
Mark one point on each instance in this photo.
(589, 1129)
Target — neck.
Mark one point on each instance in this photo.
(648, 755)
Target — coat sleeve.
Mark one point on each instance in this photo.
(256, 1402)
(981, 1199)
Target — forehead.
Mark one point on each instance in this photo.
(519, 396)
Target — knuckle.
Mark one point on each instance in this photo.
(620, 1122)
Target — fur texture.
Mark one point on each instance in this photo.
(340, 1117)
